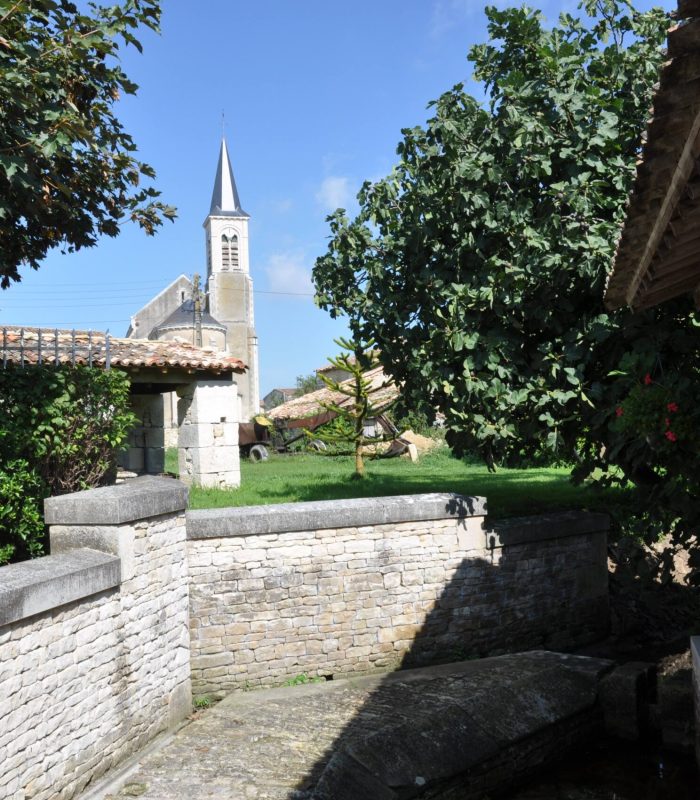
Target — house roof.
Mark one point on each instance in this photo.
(183, 317)
(224, 198)
(658, 254)
(311, 404)
(22, 346)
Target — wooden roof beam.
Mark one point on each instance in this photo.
(684, 169)
(684, 38)
(659, 294)
(687, 8)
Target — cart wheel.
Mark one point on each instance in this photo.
(317, 445)
(258, 452)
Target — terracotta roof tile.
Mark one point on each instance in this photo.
(94, 348)
(310, 404)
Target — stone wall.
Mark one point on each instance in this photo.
(94, 649)
(352, 586)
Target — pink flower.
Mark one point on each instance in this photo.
(671, 436)
(672, 407)
(647, 379)
(619, 411)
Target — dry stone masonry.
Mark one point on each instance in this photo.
(102, 641)
(94, 650)
(352, 586)
(208, 414)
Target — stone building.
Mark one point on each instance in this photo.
(220, 318)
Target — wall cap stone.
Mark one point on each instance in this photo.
(327, 514)
(558, 525)
(32, 587)
(139, 498)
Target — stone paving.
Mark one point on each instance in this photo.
(276, 744)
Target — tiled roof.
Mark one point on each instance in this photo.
(93, 348)
(183, 317)
(658, 255)
(311, 404)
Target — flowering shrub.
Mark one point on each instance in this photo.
(650, 411)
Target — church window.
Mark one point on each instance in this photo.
(234, 251)
(225, 252)
(229, 251)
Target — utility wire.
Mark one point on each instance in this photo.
(118, 301)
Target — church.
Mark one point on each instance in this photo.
(221, 316)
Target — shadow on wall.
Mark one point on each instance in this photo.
(461, 626)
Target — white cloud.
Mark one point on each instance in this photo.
(289, 272)
(334, 192)
(448, 14)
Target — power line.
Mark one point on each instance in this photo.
(122, 300)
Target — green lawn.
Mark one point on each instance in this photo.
(510, 492)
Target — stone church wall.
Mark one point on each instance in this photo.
(346, 587)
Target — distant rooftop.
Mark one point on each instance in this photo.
(183, 317)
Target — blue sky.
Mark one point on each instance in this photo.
(315, 94)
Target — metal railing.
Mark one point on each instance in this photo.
(28, 347)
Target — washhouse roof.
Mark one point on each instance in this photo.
(29, 346)
(658, 254)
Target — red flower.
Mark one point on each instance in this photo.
(672, 407)
(619, 411)
(671, 436)
(647, 379)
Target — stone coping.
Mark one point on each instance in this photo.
(213, 523)
(520, 530)
(32, 587)
(139, 498)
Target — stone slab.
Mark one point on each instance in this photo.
(327, 514)
(140, 498)
(377, 738)
(32, 587)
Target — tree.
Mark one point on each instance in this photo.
(478, 265)
(68, 171)
(308, 383)
(60, 431)
(358, 357)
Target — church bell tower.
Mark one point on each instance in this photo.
(230, 286)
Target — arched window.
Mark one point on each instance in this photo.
(233, 244)
(225, 252)
(229, 251)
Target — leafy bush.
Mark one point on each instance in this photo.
(60, 431)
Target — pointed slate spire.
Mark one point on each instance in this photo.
(224, 198)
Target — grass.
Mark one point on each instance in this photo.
(510, 492)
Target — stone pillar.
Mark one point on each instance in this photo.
(117, 672)
(208, 415)
(146, 453)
